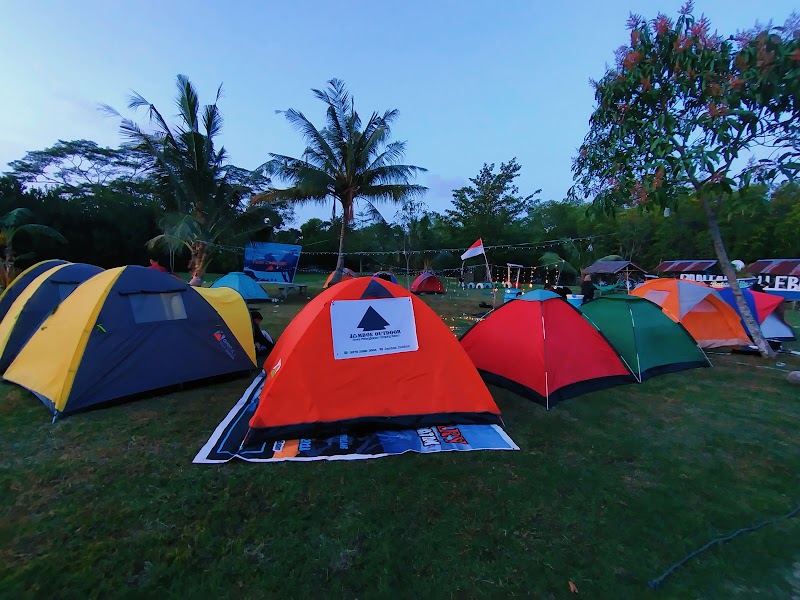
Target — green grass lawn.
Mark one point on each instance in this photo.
(607, 491)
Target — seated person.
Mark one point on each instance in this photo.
(261, 338)
(562, 291)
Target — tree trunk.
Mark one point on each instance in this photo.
(337, 274)
(730, 274)
(198, 263)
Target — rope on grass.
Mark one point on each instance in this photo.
(654, 584)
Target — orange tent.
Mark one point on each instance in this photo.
(313, 389)
(699, 308)
(347, 274)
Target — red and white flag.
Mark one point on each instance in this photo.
(474, 250)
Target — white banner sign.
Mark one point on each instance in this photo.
(373, 327)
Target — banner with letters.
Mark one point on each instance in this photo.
(276, 263)
(225, 443)
(787, 286)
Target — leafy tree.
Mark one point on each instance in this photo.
(343, 162)
(489, 207)
(78, 167)
(204, 196)
(555, 219)
(685, 109)
(785, 209)
(12, 224)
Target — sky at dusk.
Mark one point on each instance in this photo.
(474, 82)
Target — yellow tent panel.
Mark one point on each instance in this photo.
(10, 320)
(232, 308)
(17, 286)
(47, 364)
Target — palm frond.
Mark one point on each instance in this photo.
(16, 217)
(391, 192)
(188, 103)
(373, 214)
(314, 138)
(137, 101)
(42, 230)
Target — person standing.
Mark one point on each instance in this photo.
(587, 289)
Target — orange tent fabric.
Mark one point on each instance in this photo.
(543, 348)
(347, 274)
(309, 393)
(699, 308)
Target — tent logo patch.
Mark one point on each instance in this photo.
(275, 369)
(372, 321)
(373, 327)
(222, 340)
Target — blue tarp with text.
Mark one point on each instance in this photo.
(225, 443)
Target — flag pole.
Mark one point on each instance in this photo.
(489, 275)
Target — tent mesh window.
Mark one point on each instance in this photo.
(149, 308)
(704, 306)
(656, 296)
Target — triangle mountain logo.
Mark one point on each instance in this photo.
(372, 321)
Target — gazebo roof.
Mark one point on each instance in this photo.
(612, 267)
(775, 266)
(686, 266)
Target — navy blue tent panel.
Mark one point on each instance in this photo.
(152, 332)
(22, 281)
(41, 304)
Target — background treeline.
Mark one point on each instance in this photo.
(107, 207)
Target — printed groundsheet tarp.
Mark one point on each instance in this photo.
(225, 443)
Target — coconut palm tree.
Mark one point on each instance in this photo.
(205, 206)
(343, 162)
(11, 224)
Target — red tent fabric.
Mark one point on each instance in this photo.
(544, 349)
(309, 393)
(427, 283)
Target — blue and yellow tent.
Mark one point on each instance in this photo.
(21, 281)
(131, 330)
(249, 289)
(40, 298)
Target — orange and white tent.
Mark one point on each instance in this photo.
(699, 308)
(347, 274)
(367, 355)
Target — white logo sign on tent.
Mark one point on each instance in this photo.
(373, 327)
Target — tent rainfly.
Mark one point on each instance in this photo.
(543, 348)
(699, 308)
(358, 388)
(650, 342)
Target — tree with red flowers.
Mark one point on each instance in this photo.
(687, 115)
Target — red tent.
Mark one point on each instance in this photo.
(316, 388)
(427, 283)
(542, 347)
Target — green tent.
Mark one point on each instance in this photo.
(647, 339)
